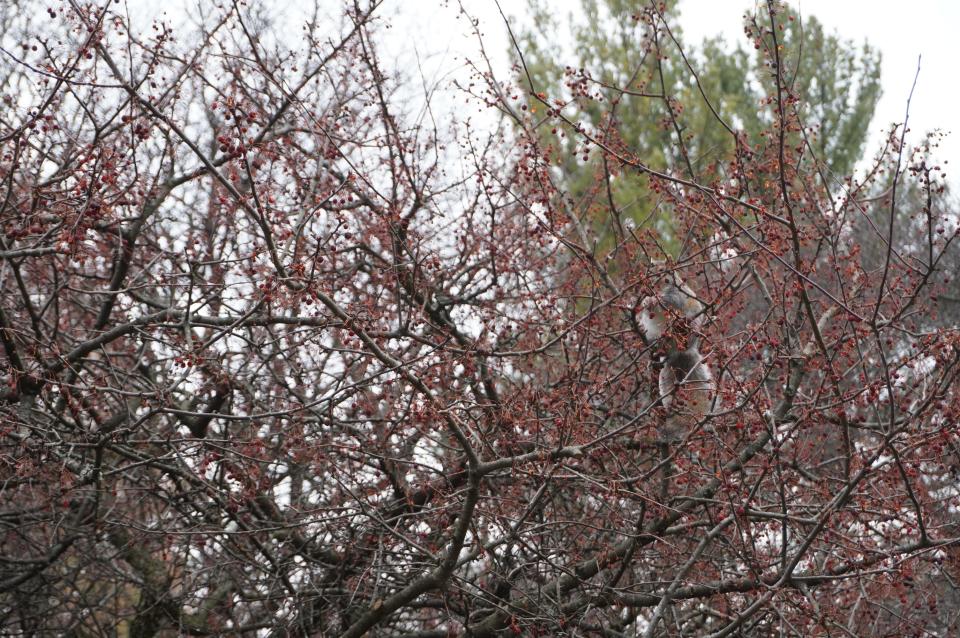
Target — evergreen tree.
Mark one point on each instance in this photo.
(635, 57)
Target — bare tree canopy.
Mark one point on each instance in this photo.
(283, 355)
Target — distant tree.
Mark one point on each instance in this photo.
(281, 355)
(676, 109)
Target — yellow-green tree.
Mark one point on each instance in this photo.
(636, 83)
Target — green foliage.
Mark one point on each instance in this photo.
(839, 86)
(660, 97)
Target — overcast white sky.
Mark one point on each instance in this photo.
(429, 33)
(902, 31)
